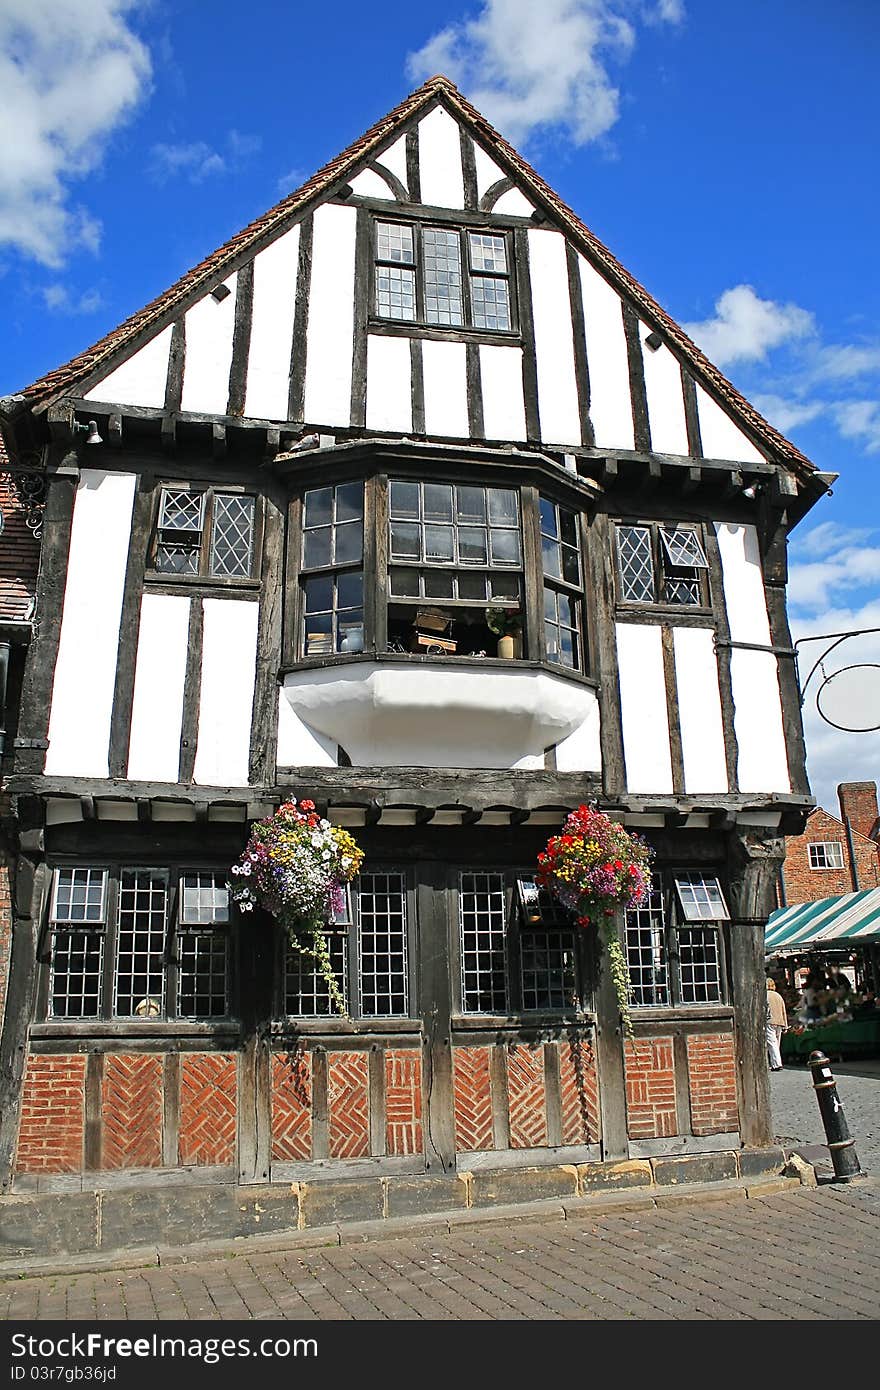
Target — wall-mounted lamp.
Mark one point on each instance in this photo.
(750, 492)
(90, 431)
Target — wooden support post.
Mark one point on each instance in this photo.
(435, 993)
(609, 1058)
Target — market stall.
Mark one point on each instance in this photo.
(834, 944)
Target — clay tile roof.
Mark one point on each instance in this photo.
(64, 379)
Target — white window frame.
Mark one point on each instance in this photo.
(825, 846)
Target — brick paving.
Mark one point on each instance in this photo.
(801, 1254)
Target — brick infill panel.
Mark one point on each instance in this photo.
(291, 1106)
(403, 1101)
(526, 1097)
(472, 1099)
(51, 1131)
(131, 1111)
(712, 1081)
(650, 1088)
(348, 1103)
(208, 1093)
(579, 1090)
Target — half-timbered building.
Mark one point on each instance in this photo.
(279, 501)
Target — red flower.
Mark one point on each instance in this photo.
(307, 805)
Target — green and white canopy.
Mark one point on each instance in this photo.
(851, 917)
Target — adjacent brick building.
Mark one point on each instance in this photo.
(834, 854)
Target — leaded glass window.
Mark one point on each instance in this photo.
(483, 943)
(441, 535)
(77, 918)
(673, 942)
(203, 532)
(419, 276)
(333, 548)
(563, 585)
(661, 564)
(646, 951)
(232, 538)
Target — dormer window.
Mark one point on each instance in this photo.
(445, 277)
(662, 563)
(203, 531)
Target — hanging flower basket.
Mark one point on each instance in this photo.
(594, 868)
(296, 865)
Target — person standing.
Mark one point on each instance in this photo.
(777, 1022)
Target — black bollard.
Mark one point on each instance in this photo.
(843, 1154)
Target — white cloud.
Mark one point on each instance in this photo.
(289, 181)
(71, 72)
(785, 414)
(829, 537)
(530, 67)
(848, 361)
(198, 161)
(60, 300)
(745, 327)
(813, 584)
(860, 420)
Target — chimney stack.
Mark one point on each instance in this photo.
(858, 805)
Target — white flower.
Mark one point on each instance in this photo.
(326, 854)
(346, 862)
(324, 824)
(236, 869)
(245, 869)
(317, 840)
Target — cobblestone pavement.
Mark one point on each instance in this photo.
(736, 1258)
(796, 1119)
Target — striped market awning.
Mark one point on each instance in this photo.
(848, 917)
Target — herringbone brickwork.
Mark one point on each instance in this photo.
(473, 1099)
(291, 1106)
(349, 1105)
(131, 1112)
(526, 1097)
(50, 1136)
(650, 1088)
(712, 1081)
(208, 1085)
(579, 1089)
(403, 1101)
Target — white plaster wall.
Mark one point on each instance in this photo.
(140, 380)
(554, 347)
(209, 329)
(665, 398)
(643, 708)
(371, 185)
(504, 410)
(331, 317)
(488, 172)
(229, 653)
(744, 595)
(610, 401)
(721, 438)
(440, 173)
(514, 203)
(699, 709)
(389, 383)
(762, 765)
(85, 672)
(581, 751)
(268, 374)
(444, 368)
(394, 158)
(298, 745)
(160, 676)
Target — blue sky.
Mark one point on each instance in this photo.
(725, 150)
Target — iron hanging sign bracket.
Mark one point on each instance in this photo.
(844, 687)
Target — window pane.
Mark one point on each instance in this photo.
(76, 974)
(503, 510)
(382, 945)
(316, 547)
(204, 899)
(318, 509)
(350, 502)
(550, 610)
(182, 510)
(472, 586)
(305, 991)
(350, 631)
(319, 594)
(404, 500)
(482, 927)
(487, 252)
(681, 590)
(394, 242)
(442, 261)
(439, 543)
(549, 525)
(701, 898)
(699, 965)
(404, 583)
(550, 557)
(683, 549)
(490, 302)
(232, 536)
(140, 944)
(395, 293)
(319, 634)
(177, 559)
(636, 564)
(405, 540)
(439, 585)
(438, 501)
(203, 975)
(548, 970)
(505, 586)
(505, 547)
(646, 952)
(470, 504)
(473, 545)
(571, 566)
(349, 543)
(350, 590)
(568, 533)
(79, 895)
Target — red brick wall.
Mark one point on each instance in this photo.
(5, 936)
(208, 1083)
(19, 554)
(291, 1106)
(712, 1081)
(650, 1088)
(50, 1137)
(348, 1104)
(803, 884)
(580, 1092)
(403, 1101)
(131, 1111)
(858, 800)
(526, 1097)
(473, 1099)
